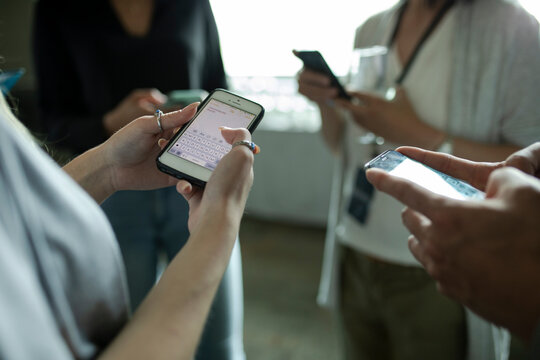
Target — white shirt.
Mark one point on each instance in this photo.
(428, 88)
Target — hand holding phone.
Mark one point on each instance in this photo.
(194, 152)
(313, 60)
(400, 165)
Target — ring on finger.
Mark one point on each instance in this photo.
(158, 114)
(250, 144)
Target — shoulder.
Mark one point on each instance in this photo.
(373, 30)
(499, 18)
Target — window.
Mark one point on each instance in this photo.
(257, 38)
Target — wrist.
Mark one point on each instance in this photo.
(91, 172)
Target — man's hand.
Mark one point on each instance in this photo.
(485, 254)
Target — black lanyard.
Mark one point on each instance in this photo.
(436, 20)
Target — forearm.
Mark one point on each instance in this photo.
(332, 125)
(170, 321)
(90, 171)
(477, 151)
(432, 139)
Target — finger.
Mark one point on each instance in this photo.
(407, 192)
(526, 160)
(475, 173)
(365, 98)
(185, 189)
(359, 109)
(415, 222)
(158, 96)
(174, 119)
(317, 92)
(146, 106)
(233, 135)
(507, 180)
(162, 143)
(152, 99)
(417, 250)
(314, 78)
(149, 94)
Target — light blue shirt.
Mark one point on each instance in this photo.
(63, 293)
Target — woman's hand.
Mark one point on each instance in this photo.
(394, 120)
(316, 87)
(138, 103)
(229, 185)
(131, 152)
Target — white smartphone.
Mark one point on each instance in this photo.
(194, 152)
(400, 165)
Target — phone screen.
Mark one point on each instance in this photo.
(399, 165)
(201, 142)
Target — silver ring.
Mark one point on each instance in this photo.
(158, 115)
(255, 149)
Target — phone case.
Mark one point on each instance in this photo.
(179, 175)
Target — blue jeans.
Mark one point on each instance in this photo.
(148, 223)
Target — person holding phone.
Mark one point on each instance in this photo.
(460, 88)
(490, 261)
(104, 63)
(63, 286)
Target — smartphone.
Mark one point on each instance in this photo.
(194, 152)
(400, 165)
(313, 60)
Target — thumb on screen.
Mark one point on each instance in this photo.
(233, 135)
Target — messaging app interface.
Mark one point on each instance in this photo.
(202, 142)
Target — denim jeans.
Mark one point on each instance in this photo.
(150, 223)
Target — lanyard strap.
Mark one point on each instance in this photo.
(436, 20)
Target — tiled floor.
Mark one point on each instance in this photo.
(281, 266)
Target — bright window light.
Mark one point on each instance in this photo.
(257, 37)
(532, 6)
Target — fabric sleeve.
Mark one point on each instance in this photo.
(521, 81)
(61, 104)
(28, 329)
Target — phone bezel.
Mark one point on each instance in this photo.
(194, 173)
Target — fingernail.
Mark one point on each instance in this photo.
(224, 128)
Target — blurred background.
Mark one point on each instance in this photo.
(282, 236)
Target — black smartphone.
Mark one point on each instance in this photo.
(194, 152)
(400, 165)
(313, 60)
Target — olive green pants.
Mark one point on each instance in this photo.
(390, 311)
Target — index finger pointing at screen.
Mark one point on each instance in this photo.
(405, 191)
